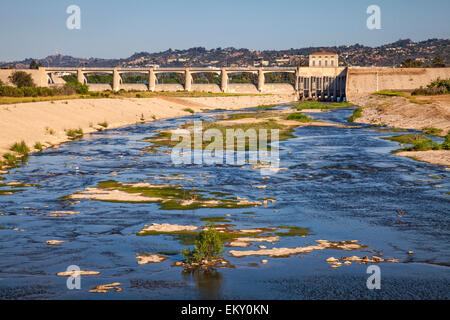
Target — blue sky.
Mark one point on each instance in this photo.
(117, 29)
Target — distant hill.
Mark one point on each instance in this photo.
(392, 54)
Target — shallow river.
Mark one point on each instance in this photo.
(341, 184)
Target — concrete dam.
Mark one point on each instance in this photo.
(317, 83)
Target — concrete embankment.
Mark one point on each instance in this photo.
(47, 122)
(363, 81)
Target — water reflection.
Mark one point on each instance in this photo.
(209, 282)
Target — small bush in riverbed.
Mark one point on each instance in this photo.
(356, 114)
(189, 110)
(446, 144)
(20, 148)
(38, 146)
(432, 131)
(10, 159)
(103, 124)
(208, 246)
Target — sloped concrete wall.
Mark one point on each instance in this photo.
(39, 76)
(204, 87)
(242, 88)
(281, 88)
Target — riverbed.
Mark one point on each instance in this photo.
(339, 183)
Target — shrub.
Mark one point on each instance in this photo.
(75, 133)
(21, 79)
(432, 131)
(438, 86)
(8, 91)
(208, 246)
(446, 144)
(103, 124)
(20, 148)
(356, 114)
(38, 146)
(10, 159)
(189, 110)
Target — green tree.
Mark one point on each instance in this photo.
(208, 246)
(410, 63)
(74, 86)
(21, 79)
(35, 65)
(438, 62)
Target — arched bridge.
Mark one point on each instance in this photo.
(316, 83)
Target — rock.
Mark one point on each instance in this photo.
(105, 288)
(347, 263)
(74, 273)
(410, 252)
(377, 259)
(336, 265)
(145, 259)
(59, 214)
(237, 243)
(262, 247)
(332, 260)
(260, 187)
(165, 227)
(55, 242)
(264, 261)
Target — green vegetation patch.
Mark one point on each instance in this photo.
(38, 146)
(436, 87)
(189, 110)
(356, 114)
(74, 134)
(419, 142)
(188, 237)
(300, 117)
(310, 105)
(265, 107)
(164, 138)
(302, 105)
(292, 231)
(432, 131)
(174, 197)
(388, 93)
(20, 148)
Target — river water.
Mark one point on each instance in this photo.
(341, 183)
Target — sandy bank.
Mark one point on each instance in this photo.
(46, 122)
(440, 157)
(400, 112)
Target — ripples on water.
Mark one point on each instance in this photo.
(342, 184)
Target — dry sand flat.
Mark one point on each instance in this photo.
(34, 122)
